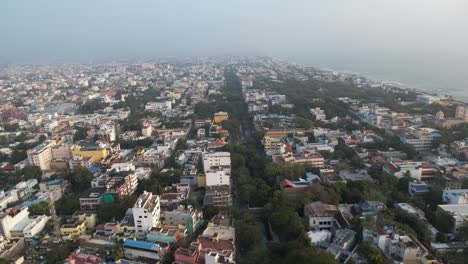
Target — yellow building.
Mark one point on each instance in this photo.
(201, 180)
(97, 152)
(220, 117)
(277, 133)
(73, 228)
(89, 218)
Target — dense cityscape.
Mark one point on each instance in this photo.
(227, 160)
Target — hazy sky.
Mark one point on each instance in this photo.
(370, 36)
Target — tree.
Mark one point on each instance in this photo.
(117, 251)
(374, 255)
(41, 208)
(18, 156)
(79, 179)
(42, 138)
(67, 205)
(91, 106)
(319, 192)
(463, 231)
(32, 172)
(115, 211)
(250, 233)
(80, 133)
(61, 251)
(441, 237)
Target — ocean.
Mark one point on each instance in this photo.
(446, 76)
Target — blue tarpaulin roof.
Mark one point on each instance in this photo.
(31, 203)
(53, 182)
(141, 244)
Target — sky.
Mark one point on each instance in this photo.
(414, 41)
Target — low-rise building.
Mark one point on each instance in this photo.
(145, 250)
(459, 196)
(91, 199)
(321, 216)
(456, 213)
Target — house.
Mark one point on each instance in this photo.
(394, 245)
(417, 188)
(342, 243)
(91, 199)
(185, 217)
(73, 227)
(135, 249)
(457, 213)
(323, 216)
(78, 258)
(220, 117)
(455, 196)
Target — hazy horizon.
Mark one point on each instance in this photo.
(419, 43)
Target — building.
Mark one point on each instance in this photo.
(217, 161)
(147, 130)
(13, 217)
(220, 117)
(273, 145)
(459, 196)
(420, 171)
(145, 250)
(460, 112)
(73, 227)
(78, 258)
(310, 158)
(395, 246)
(218, 196)
(146, 213)
(321, 216)
(421, 139)
(53, 189)
(183, 217)
(61, 152)
(427, 99)
(457, 213)
(318, 113)
(215, 257)
(91, 199)
(217, 178)
(41, 156)
(417, 188)
(35, 227)
(186, 255)
(96, 151)
(158, 106)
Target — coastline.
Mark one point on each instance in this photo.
(456, 95)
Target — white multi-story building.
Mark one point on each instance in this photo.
(8, 197)
(146, 212)
(217, 178)
(41, 155)
(427, 99)
(217, 161)
(459, 196)
(400, 247)
(11, 218)
(35, 227)
(158, 106)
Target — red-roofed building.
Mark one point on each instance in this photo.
(76, 258)
(184, 255)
